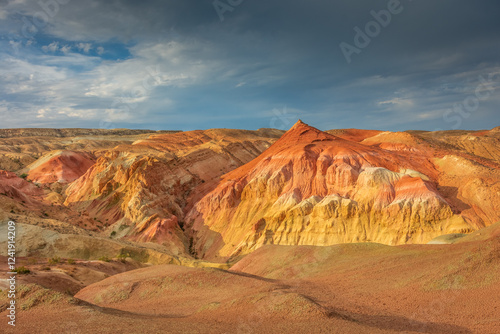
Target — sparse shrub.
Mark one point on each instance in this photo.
(39, 296)
(113, 233)
(104, 258)
(22, 270)
(54, 260)
(23, 176)
(122, 257)
(71, 261)
(45, 268)
(124, 226)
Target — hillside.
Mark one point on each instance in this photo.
(314, 188)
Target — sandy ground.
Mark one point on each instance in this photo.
(356, 288)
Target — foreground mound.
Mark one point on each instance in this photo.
(352, 288)
(181, 291)
(421, 288)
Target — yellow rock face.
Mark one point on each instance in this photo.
(312, 188)
(140, 190)
(223, 193)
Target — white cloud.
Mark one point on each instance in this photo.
(52, 47)
(66, 48)
(41, 113)
(398, 103)
(85, 47)
(117, 91)
(429, 115)
(21, 75)
(15, 45)
(100, 50)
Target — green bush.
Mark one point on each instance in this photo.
(71, 261)
(22, 270)
(122, 257)
(54, 260)
(24, 176)
(104, 258)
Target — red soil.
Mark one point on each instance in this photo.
(64, 167)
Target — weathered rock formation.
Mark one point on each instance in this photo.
(221, 193)
(17, 188)
(140, 191)
(314, 188)
(60, 166)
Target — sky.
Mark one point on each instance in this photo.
(197, 64)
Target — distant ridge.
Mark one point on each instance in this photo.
(73, 132)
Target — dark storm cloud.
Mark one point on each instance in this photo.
(262, 57)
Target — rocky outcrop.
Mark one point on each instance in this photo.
(140, 191)
(17, 188)
(60, 166)
(222, 193)
(313, 188)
